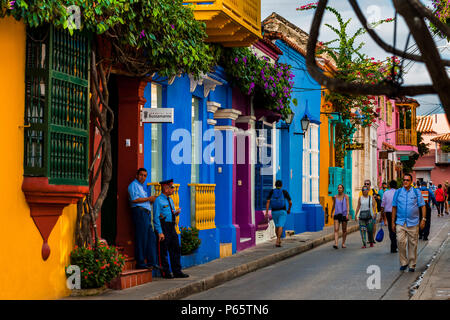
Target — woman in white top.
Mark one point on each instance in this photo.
(365, 212)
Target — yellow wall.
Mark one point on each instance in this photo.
(325, 161)
(23, 273)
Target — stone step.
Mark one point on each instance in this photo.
(130, 264)
(131, 278)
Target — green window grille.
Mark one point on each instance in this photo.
(57, 105)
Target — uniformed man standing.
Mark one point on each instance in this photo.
(145, 239)
(164, 208)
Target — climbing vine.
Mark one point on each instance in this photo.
(353, 66)
(270, 83)
(139, 38)
(441, 9)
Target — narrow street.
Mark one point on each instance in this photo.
(327, 273)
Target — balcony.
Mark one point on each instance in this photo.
(406, 137)
(203, 206)
(442, 157)
(233, 23)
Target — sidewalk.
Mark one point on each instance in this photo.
(219, 271)
(435, 284)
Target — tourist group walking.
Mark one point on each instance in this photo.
(405, 210)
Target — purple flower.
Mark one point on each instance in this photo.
(236, 60)
(172, 26)
(142, 35)
(11, 4)
(266, 85)
(273, 94)
(245, 60)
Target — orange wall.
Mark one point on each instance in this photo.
(23, 273)
(325, 162)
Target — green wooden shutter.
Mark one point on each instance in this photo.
(57, 105)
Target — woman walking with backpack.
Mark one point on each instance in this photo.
(365, 216)
(341, 208)
(276, 200)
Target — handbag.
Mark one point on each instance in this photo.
(380, 234)
(365, 214)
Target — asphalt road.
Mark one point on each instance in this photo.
(325, 273)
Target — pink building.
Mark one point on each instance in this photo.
(396, 135)
(434, 166)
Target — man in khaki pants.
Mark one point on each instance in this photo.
(407, 205)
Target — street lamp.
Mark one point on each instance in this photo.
(305, 124)
(289, 118)
(288, 121)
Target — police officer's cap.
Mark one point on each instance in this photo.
(166, 182)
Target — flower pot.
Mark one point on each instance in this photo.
(88, 292)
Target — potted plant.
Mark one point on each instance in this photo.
(98, 266)
(190, 240)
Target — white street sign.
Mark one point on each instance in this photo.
(157, 115)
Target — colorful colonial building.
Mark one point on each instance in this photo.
(435, 165)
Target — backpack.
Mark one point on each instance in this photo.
(277, 201)
(394, 200)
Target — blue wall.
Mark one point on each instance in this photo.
(303, 217)
(178, 96)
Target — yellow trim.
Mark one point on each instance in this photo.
(203, 205)
(226, 16)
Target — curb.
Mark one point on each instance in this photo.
(238, 271)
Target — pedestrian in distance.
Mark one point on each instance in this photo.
(375, 198)
(145, 240)
(407, 205)
(447, 197)
(386, 213)
(384, 188)
(440, 199)
(432, 188)
(168, 238)
(365, 212)
(341, 209)
(276, 200)
(428, 197)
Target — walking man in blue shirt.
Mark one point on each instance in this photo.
(168, 237)
(407, 205)
(145, 238)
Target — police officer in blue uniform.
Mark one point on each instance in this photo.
(164, 209)
(145, 239)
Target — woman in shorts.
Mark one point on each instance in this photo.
(341, 208)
